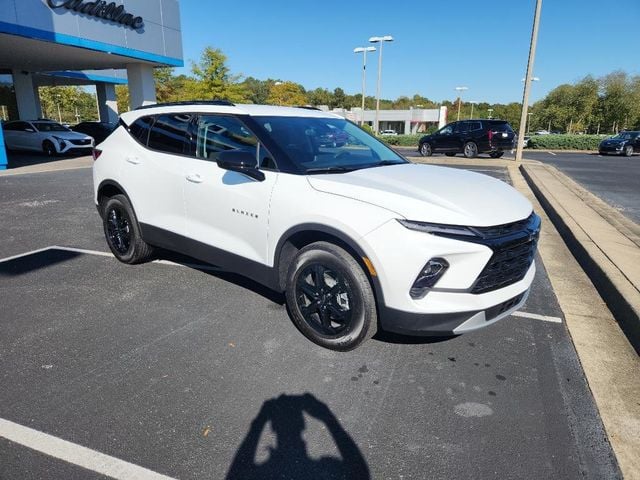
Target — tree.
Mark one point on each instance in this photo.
(213, 79)
(258, 90)
(320, 96)
(286, 93)
(68, 104)
(338, 100)
(122, 97)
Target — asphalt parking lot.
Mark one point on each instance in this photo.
(616, 180)
(192, 373)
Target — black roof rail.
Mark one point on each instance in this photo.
(308, 107)
(188, 102)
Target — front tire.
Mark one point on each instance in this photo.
(426, 150)
(49, 149)
(330, 298)
(122, 231)
(628, 150)
(470, 150)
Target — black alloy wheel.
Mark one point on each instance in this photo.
(330, 298)
(122, 231)
(49, 148)
(324, 298)
(118, 229)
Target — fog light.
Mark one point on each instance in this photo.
(428, 277)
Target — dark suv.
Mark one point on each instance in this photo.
(470, 137)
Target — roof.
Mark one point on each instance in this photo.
(225, 107)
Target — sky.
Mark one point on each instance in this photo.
(437, 45)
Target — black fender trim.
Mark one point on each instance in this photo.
(346, 239)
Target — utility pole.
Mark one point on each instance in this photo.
(527, 83)
(460, 90)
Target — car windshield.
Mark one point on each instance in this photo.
(626, 135)
(327, 145)
(50, 127)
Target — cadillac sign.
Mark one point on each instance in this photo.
(100, 9)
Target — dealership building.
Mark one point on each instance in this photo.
(405, 122)
(79, 42)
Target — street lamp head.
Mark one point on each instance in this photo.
(385, 38)
(364, 49)
(462, 89)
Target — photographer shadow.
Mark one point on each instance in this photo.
(289, 458)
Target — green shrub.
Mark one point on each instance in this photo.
(566, 142)
(402, 140)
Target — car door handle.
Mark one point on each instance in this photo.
(195, 178)
(133, 160)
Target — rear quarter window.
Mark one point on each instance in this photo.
(140, 129)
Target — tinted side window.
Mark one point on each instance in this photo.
(462, 127)
(473, 126)
(170, 133)
(140, 129)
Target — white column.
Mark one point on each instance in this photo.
(107, 102)
(442, 118)
(142, 88)
(36, 99)
(407, 127)
(25, 95)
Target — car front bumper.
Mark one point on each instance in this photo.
(613, 149)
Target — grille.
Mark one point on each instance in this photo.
(509, 264)
(493, 312)
(506, 229)
(81, 142)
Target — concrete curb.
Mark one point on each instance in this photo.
(610, 364)
(607, 247)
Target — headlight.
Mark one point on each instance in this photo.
(438, 229)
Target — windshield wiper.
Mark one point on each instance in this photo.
(334, 169)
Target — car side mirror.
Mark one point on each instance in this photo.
(240, 161)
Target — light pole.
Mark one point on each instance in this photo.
(58, 104)
(364, 51)
(472, 104)
(460, 90)
(380, 40)
(527, 83)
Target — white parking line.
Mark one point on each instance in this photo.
(199, 266)
(535, 316)
(551, 153)
(75, 454)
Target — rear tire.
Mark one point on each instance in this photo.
(496, 154)
(470, 150)
(49, 149)
(122, 231)
(628, 150)
(330, 298)
(426, 150)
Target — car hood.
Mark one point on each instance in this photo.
(431, 194)
(69, 135)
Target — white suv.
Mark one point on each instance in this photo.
(354, 235)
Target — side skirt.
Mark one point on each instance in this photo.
(263, 274)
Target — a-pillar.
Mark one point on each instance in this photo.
(26, 95)
(107, 102)
(142, 88)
